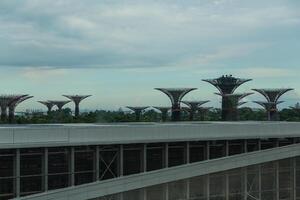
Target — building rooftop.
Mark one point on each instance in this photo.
(23, 136)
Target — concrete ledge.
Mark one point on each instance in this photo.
(127, 183)
(89, 134)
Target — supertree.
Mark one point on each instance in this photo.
(59, 104)
(272, 96)
(164, 112)
(226, 85)
(175, 95)
(193, 107)
(77, 99)
(5, 101)
(231, 104)
(48, 104)
(137, 110)
(12, 107)
(202, 111)
(296, 107)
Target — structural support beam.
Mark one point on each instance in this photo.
(17, 172)
(97, 163)
(121, 160)
(72, 166)
(45, 169)
(137, 181)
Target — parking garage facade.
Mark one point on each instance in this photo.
(31, 170)
(267, 181)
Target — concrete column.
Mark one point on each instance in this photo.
(45, 167)
(188, 189)
(166, 163)
(17, 168)
(121, 196)
(72, 166)
(226, 186)
(166, 191)
(245, 146)
(207, 150)
(207, 187)
(277, 179)
(227, 148)
(144, 158)
(187, 155)
(259, 181)
(245, 180)
(259, 172)
(143, 194)
(244, 171)
(294, 178)
(277, 173)
(187, 152)
(97, 163)
(121, 160)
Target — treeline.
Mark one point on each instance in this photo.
(103, 116)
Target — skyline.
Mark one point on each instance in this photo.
(118, 51)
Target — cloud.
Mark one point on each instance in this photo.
(43, 74)
(143, 34)
(267, 72)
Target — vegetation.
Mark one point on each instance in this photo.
(103, 116)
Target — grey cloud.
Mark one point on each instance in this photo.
(92, 33)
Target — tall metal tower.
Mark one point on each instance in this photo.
(231, 104)
(226, 85)
(5, 101)
(175, 95)
(138, 111)
(164, 112)
(77, 99)
(12, 107)
(272, 96)
(48, 104)
(194, 107)
(59, 104)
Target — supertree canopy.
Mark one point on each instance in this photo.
(77, 99)
(164, 112)
(226, 85)
(137, 110)
(48, 104)
(59, 104)
(272, 96)
(6, 101)
(175, 95)
(12, 106)
(193, 107)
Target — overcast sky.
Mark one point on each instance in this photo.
(119, 50)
